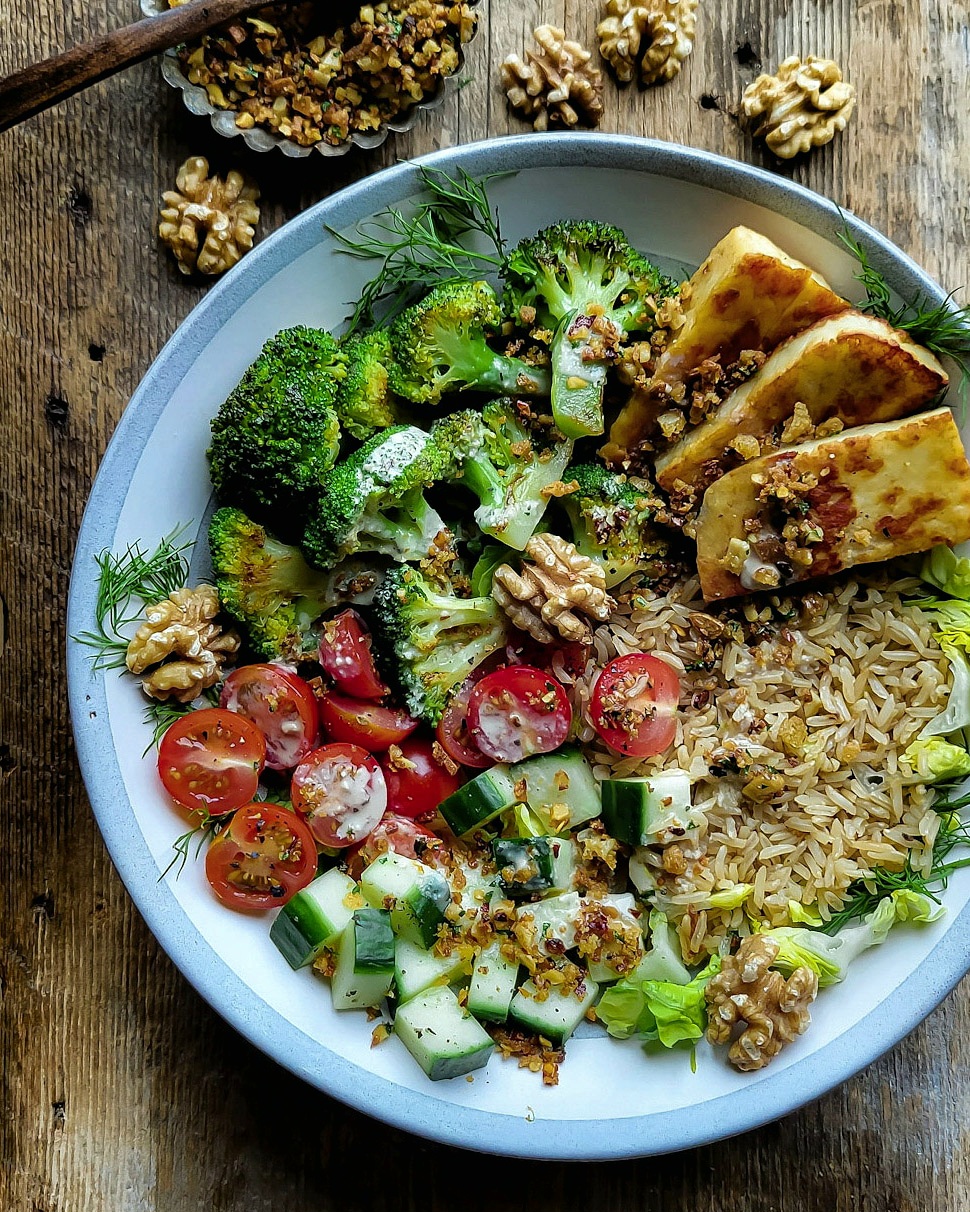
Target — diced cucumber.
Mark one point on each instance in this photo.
(555, 917)
(416, 969)
(314, 918)
(663, 961)
(564, 863)
(524, 864)
(441, 1035)
(558, 1015)
(479, 801)
(625, 904)
(365, 961)
(642, 811)
(417, 896)
(493, 984)
(560, 788)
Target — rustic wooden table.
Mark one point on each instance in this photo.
(119, 1088)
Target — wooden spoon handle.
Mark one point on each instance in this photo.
(36, 88)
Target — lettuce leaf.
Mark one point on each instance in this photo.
(934, 760)
(947, 572)
(729, 898)
(956, 715)
(658, 1010)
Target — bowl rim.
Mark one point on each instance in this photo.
(402, 1107)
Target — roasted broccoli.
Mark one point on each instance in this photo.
(440, 345)
(611, 519)
(374, 500)
(365, 401)
(268, 587)
(507, 465)
(276, 437)
(428, 641)
(584, 281)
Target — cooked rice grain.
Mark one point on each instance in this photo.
(864, 673)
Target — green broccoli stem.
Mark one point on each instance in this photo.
(577, 385)
(474, 363)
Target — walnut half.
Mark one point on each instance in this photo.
(554, 85)
(555, 592)
(655, 36)
(208, 223)
(180, 647)
(804, 106)
(772, 1010)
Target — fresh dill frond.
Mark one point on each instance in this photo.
(125, 583)
(865, 895)
(942, 328)
(418, 249)
(203, 832)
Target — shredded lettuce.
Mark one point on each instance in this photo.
(934, 760)
(658, 1010)
(804, 915)
(729, 898)
(829, 955)
(946, 571)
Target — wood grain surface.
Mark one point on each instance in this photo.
(119, 1088)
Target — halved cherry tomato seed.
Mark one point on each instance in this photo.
(209, 761)
(517, 712)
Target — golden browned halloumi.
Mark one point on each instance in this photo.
(748, 294)
(879, 491)
(848, 366)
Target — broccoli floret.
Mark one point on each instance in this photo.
(612, 524)
(587, 283)
(374, 501)
(440, 345)
(276, 437)
(267, 586)
(365, 401)
(428, 641)
(506, 464)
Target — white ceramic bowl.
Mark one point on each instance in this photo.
(612, 1100)
(258, 138)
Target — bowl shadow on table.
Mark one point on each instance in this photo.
(257, 1129)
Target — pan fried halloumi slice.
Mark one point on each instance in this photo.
(852, 367)
(748, 294)
(862, 496)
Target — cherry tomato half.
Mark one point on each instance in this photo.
(518, 711)
(416, 780)
(209, 760)
(633, 706)
(345, 654)
(368, 725)
(265, 855)
(282, 707)
(397, 833)
(341, 791)
(452, 731)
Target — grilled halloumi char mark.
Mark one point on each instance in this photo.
(748, 294)
(862, 496)
(850, 367)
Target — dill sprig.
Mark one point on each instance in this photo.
(418, 249)
(162, 715)
(865, 895)
(206, 829)
(125, 583)
(943, 327)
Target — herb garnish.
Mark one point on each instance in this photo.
(206, 829)
(865, 895)
(941, 327)
(418, 248)
(125, 583)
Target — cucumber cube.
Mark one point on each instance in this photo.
(644, 811)
(524, 864)
(314, 918)
(416, 969)
(493, 984)
(479, 801)
(365, 961)
(441, 1035)
(560, 789)
(558, 1015)
(416, 895)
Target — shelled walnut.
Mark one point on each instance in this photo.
(803, 106)
(180, 645)
(208, 223)
(553, 593)
(556, 84)
(654, 36)
(773, 1010)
